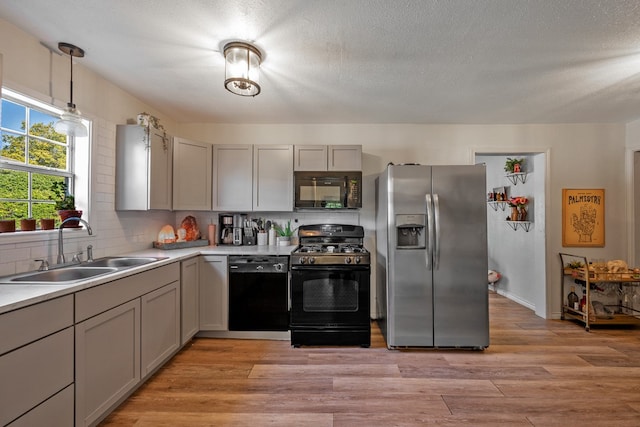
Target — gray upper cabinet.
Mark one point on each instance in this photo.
(328, 158)
(191, 175)
(310, 158)
(144, 162)
(253, 178)
(272, 177)
(232, 177)
(344, 158)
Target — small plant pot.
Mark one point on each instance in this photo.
(7, 225)
(70, 214)
(28, 224)
(47, 224)
(284, 241)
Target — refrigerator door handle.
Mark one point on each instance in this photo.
(436, 237)
(428, 253)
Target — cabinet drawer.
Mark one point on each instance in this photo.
(34, 373)
(57, 411)
(99, 299)
(28, 324)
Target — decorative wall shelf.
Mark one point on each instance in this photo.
(525, 225)
(517, 177)
(498, 204)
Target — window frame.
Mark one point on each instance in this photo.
(70, 175)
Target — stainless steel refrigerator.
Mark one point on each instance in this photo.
(431, 271)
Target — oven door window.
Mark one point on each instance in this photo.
(337, 297)
(330, 294)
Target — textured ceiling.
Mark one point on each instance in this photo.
(358, 61)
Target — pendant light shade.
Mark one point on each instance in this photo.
(70, 122)
(242, 68)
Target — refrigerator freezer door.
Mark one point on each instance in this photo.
(460, 294)
(410, 284)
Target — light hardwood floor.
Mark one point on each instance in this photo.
(536, 372)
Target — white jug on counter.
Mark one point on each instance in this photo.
(272, 236)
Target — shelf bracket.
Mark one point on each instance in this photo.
(496, 205)
(517, 177)
(525, 225)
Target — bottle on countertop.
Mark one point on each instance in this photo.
(572, 299)
(272, 235)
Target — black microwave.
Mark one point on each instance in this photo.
(328, 190)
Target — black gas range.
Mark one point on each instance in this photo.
(330, 287)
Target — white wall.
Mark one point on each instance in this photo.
(581, 155)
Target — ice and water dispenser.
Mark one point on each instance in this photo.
(410, 231)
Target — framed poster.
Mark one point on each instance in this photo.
(583, 217)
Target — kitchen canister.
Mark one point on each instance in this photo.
(262, 238)
(211, 231)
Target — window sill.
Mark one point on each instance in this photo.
(41, 235)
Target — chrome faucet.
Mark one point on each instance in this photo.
(61, 259)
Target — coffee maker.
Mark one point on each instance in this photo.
(238, 225)
(226, 229)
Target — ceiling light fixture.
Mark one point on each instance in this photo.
(242, 68)
(70, 122)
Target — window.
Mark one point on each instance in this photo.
(33, 156)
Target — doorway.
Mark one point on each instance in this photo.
(518, 251)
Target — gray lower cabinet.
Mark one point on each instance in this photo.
(214, 295)
(190, 304)
(160, 326)
(107, 360)
(36, 364)
(126, 329)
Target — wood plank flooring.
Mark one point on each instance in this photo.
(536, 372)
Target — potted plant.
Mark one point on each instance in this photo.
(65, 204)
(284, 234)
(7, 225)
(513, 165)
(27, 224)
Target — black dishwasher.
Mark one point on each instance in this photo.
(258, 293)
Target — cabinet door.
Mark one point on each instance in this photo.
(191, 175)
(144, 161)
(273, 178)
(160, 170)
(190, 312)
(160, 328)
(107, 360)
(214, 293)
(345, 157)
(232, 177)
(310, 158)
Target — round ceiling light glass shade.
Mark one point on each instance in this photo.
(70, 123)
(242, 68)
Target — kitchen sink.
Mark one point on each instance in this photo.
(66, 274)
(119, 262)
(78, 272)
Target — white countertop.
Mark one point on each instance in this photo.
(14, 296)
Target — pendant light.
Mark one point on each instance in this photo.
(242, 68)
(70, 122)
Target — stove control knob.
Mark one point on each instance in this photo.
(303, 260)
(312, 260)
(347, 260)
(357, 260)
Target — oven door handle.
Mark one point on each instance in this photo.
(350, 267)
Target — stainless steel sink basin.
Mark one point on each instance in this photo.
(79, 272)
(119, 262)
(67, 274)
